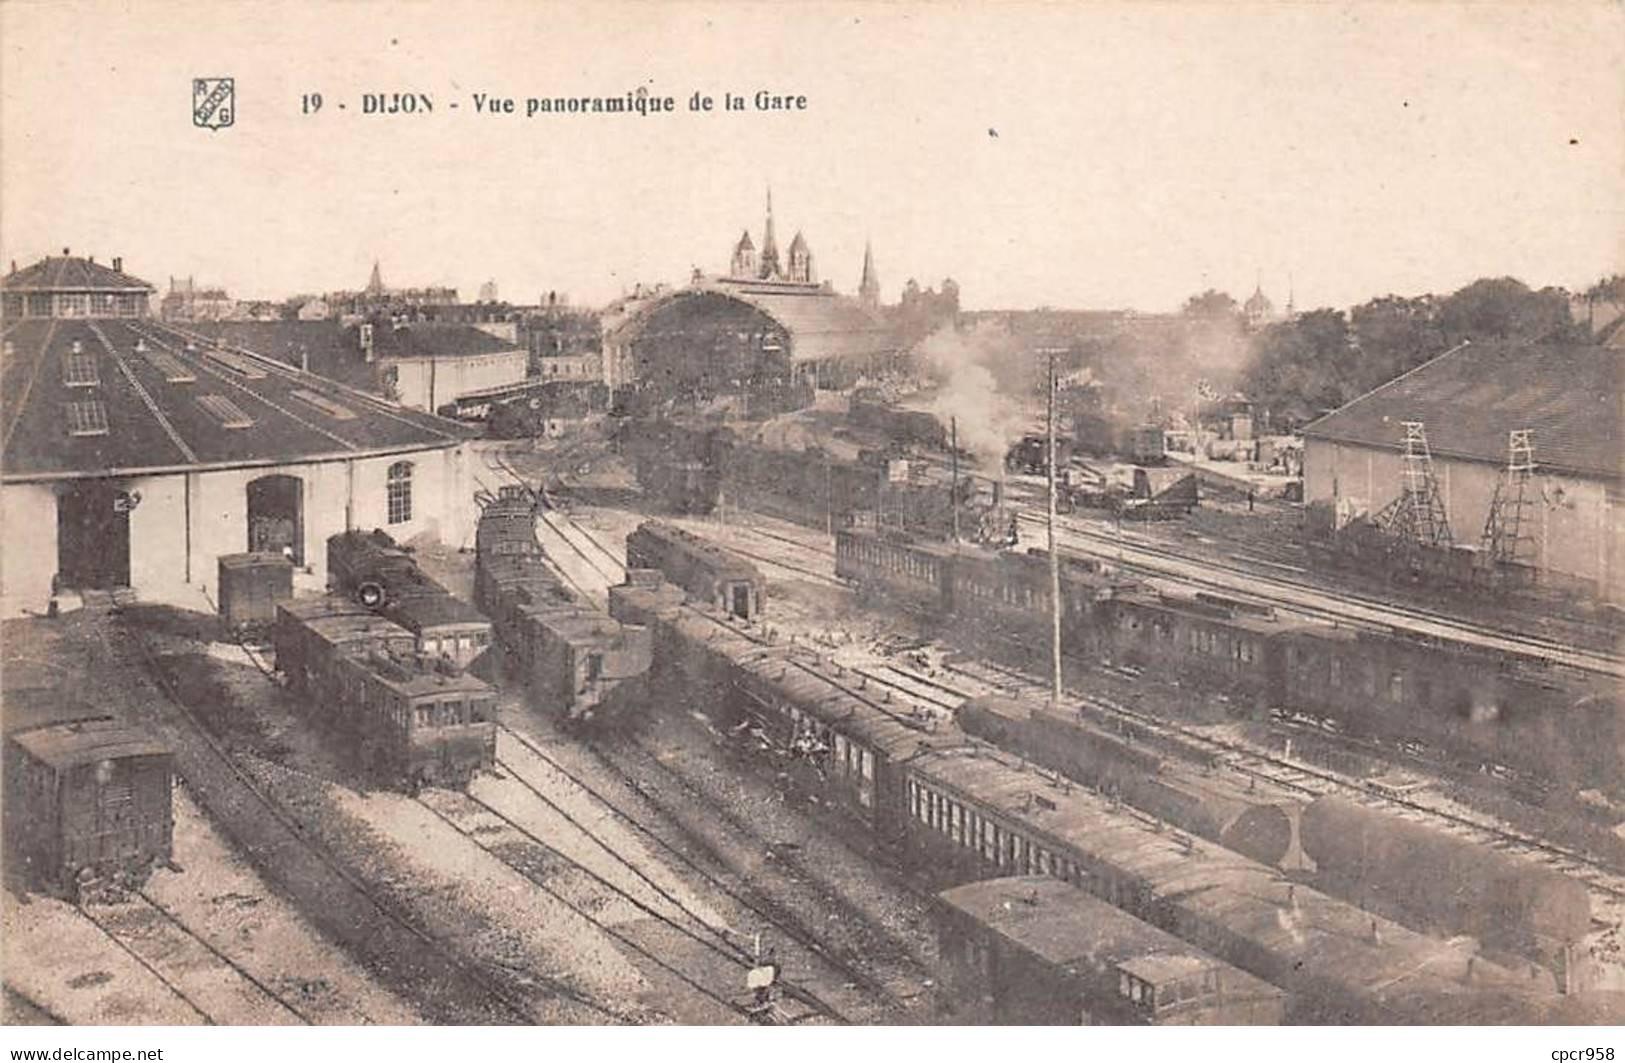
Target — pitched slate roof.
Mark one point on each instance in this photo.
(68, 274)
(179, 404)
(334, 350)
(1469, 398)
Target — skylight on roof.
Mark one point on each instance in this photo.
(79, 370)
(87, 417)
(237, 363)
(175, 371)
(228, 413)
(325, 404)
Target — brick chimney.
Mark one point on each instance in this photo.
(118, 264)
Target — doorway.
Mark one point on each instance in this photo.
(276, 516)
(93, 535)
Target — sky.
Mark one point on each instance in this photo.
(1087, 155)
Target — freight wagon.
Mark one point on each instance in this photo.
(87, 799)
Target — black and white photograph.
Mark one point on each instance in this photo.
(908, 514)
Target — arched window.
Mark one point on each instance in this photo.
(399, 487)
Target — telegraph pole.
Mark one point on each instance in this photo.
(953, 455)
(1054, 558)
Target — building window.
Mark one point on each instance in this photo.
(399, 486)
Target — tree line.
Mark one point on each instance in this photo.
(1303, 366)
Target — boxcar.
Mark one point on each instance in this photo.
(87, 799)
(1034, 951)
(709, 573)
(569, 655)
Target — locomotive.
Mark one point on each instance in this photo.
(410, 720)
(87, 798)
(381, 576)
(1470, 709)
(953, 810)
(571, 657)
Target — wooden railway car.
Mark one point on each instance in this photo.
(953, 810)
(709, 573)
(1120, 762)
(409, 721)
(1031, 950)
(1000, 599)
(1215, 644)
(87, 799)
(1472, 709)
(382, 576)
(1448, 884)
(982, 815)
(570, 656)
(412, 725)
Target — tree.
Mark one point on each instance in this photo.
(1303, 367)
(1394, 335)
(1211, 304)
(1505, 309)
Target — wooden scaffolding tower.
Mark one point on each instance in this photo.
(1507, 529)
(1417, 516)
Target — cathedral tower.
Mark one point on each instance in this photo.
(869, 288)
(801, 261)
(744, 258)
(770, 269)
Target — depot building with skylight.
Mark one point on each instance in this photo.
(136, 453)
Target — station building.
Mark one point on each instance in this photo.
(766, 321)
(135, 454)
(1468, 401)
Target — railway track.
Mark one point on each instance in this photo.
(219, 989)
(437, 973)
(720, 939)
(1337, 605)
(701, 851)
(456, 810)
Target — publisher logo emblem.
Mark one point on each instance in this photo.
(214, 102)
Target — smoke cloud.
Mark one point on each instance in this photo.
(983, 375)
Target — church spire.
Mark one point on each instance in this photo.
(869, 287)
(770, 247)
(375, 283)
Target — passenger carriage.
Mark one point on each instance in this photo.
(1032, 950)
(416, 726)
